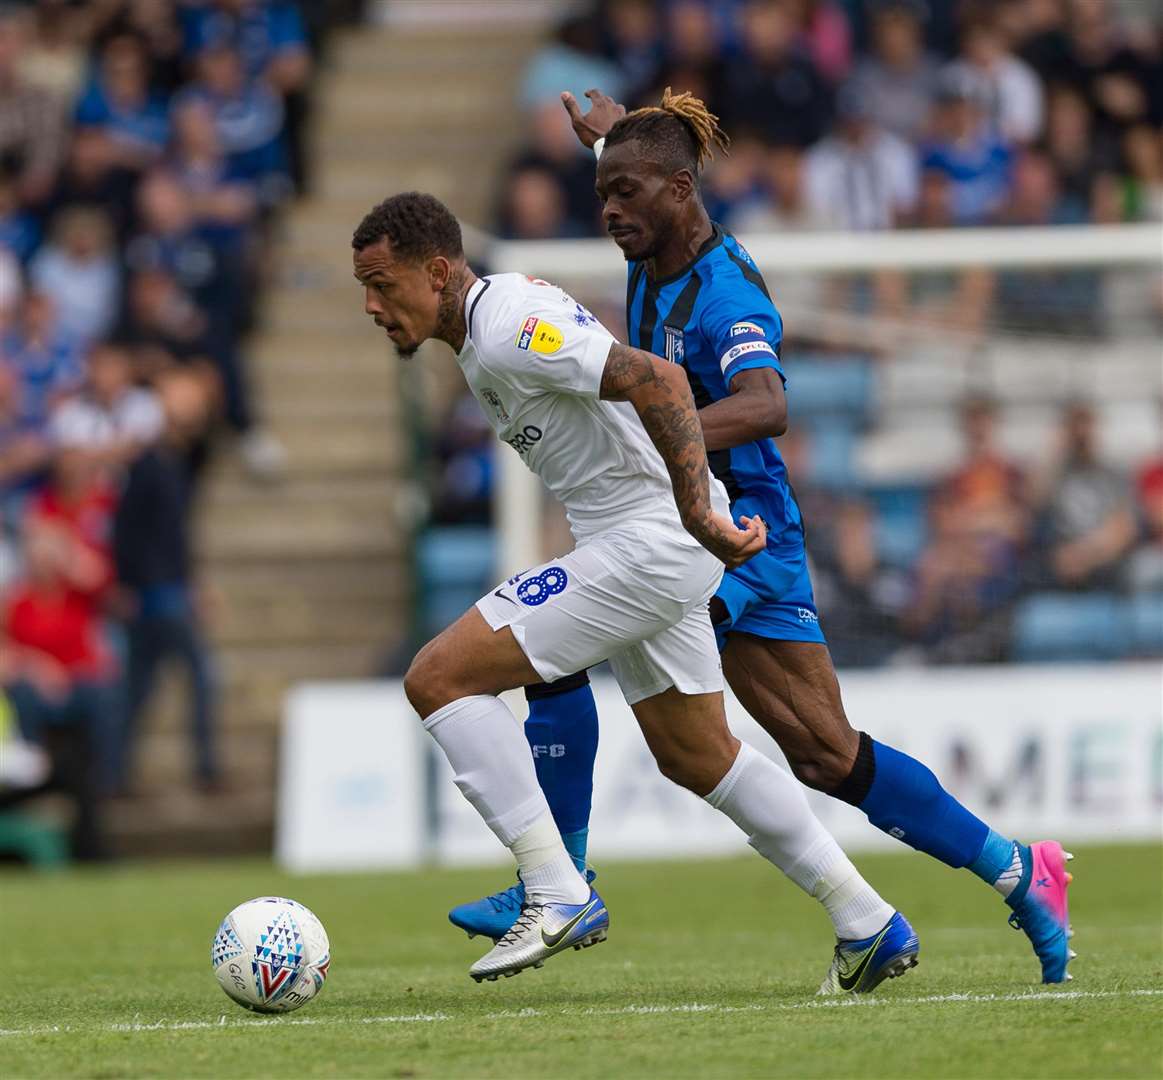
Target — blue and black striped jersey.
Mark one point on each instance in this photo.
(715, 318)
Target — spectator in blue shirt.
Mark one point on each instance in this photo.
(268, 35)
(224, 203)
(19, 230)
(80, 270)
(49, 363)
(119, 100)
(273, 48)
(248, 117)
(968, 152)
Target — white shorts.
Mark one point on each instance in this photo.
(633, 595)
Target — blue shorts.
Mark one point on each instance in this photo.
(770, 595)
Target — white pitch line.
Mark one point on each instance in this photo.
(620, 1010)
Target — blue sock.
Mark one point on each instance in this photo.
(906, 800)
(562, 730)
(995, 858)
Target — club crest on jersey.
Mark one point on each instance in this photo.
(540, 336)
(675, 346)
(496, 404)
(582, 315)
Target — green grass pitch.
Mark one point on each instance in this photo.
(709, 971)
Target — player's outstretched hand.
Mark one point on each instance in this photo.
(604, 113)
(734, 546)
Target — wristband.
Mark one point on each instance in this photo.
(599, 145)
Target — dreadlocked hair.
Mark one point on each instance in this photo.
(680, 133)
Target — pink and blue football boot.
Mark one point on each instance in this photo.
(1040, 907)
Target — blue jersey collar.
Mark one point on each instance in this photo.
(712, 242)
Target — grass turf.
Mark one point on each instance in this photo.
(709, 971)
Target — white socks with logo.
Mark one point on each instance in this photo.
(769, 805)
(494, 770)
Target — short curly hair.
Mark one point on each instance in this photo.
(418, 226)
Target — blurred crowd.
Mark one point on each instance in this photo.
(146, 149)
(1058, 559)
(868, 114)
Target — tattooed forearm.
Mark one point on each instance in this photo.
(626, 371)
(661, 395)
(674, 429)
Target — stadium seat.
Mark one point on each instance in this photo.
(832, 442)
(1146, 618)
(457, 555)
(1068, 626)
(456, 565)
(820, 384)
(909, 381)
(901, 523)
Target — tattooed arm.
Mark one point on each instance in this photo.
(661, 395)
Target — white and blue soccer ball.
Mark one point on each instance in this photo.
(271, 955)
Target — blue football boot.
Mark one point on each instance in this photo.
(492, 916)
(859, 967)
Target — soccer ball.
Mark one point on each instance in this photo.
(270, 954)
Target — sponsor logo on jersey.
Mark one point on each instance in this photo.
(675, 344)
(494, 402)
(808, 616)
(741, 328)
(540, 336)
(526, 334)
(523, 441)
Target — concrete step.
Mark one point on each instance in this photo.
(289, 619)
(421, 105)
(297, 662)
(255, 536)
(366, 446)
(298, 496)
(162, 823)
(484, 42)
(370, 577)
(253, 677)
(248, 756)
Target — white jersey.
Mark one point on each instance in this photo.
(534, 357)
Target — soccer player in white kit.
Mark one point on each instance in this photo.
(613, 433)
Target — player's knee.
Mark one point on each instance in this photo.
(426, 680)
(687, 772)
(823, 765)
(698, 770)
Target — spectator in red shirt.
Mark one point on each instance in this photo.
(61, 674)
(969, 573)
(1145, 565)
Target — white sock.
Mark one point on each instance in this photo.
(769, 805)
(494, 770)
(549, 873)
(855, 907)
